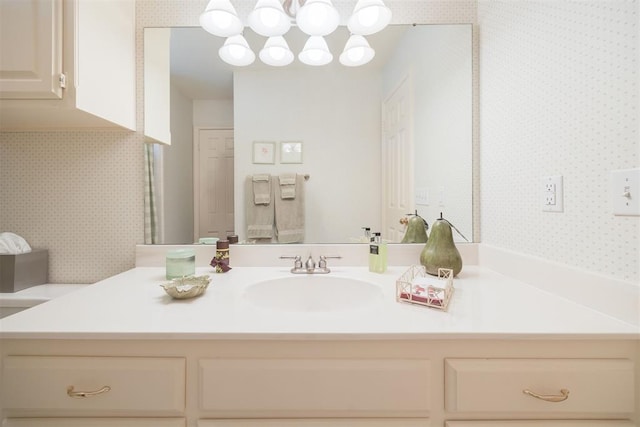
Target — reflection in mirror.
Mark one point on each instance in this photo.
(378, 141)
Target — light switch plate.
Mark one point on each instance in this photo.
(625, 191)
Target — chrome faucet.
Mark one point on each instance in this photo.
(310, 266)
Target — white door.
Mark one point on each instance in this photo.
(397, 160)
(213, 167)
(31, 46)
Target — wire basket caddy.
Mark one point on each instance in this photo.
(437, 294)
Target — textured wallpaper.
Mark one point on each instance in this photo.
(80, 195)
(77, 194)
(559, 96)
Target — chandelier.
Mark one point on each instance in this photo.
(315, 18)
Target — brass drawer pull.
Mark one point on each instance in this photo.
(564, 395)
(83, 394)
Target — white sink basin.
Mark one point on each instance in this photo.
(313, 293)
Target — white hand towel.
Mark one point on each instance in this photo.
(261, 189)
(289, 214)
(288, 185)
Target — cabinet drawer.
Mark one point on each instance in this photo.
(327, 422)
(116, 385)
(94, 422)
(545, 423)
(297, 386)
(497, 385)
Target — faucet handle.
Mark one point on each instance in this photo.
(297, 264)
(323, 260)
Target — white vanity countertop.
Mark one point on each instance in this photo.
(485, 305)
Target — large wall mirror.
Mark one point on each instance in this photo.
(378, 141)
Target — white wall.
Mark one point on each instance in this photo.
(443, 108)
(214, 113)
(559, 96)
(340, 132)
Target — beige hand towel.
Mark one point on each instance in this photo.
(290, 214)
(287, 185)
(261, 189)
(259, 217)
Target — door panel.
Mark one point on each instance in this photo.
(214, 215)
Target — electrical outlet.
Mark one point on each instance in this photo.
(552, 196)
(422, 196)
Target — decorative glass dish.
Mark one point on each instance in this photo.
(187, 287)
(416, 286)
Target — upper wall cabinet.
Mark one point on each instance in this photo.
(67, 64)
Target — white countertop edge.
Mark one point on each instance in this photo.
(331, 336)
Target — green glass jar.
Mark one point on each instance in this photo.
(180, 263)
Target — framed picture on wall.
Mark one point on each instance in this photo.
(264, 152)
(291, 152)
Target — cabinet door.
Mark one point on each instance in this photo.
(94, 422)
(31, 46)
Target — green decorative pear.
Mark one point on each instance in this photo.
(416, 230)
(440, 251)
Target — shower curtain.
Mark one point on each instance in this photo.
(150, 213)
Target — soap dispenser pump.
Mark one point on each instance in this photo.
(377, 254)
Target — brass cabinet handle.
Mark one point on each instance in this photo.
(82, 394)
(564, 395)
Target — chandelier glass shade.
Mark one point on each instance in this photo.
(369, 17)
(269, 19)
(316, 18)
(356, 52)
(236, 51)
(276, 52)
(220, 19)
(315, 52)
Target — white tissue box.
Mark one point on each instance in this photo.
(21, 271)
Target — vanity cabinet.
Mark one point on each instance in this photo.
(67, 64)
(309, 382)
